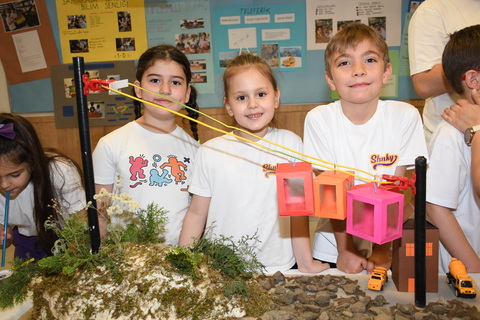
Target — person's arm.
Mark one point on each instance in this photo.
(102, 205)
(300, 233)
(452, 236)
(195, 219)
(431, 83)
(475, 164)
(464, 115)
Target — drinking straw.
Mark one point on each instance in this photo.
(5, 226)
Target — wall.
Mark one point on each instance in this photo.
(36, 96)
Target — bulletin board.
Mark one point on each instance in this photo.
(301, 83)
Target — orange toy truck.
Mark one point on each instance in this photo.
(378, 278)
(458, 278)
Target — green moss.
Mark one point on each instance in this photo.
(13, 290)
(222, 266)
(235, 287)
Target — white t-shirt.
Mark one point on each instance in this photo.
(449, 184)
(428, 33)
(151, 167)
(392, 137)
(239, 177)
(66, 178)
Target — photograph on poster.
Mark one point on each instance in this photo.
(93, 74)
(199, 77)
(414, 5)
(192, 23)
(291, 57)
(125, 44)
(69, 87)
(379, 24)
(343, 23)
(323, 30)
(124, 21)
(193, 43)
(79, 45)
(77, 21)
(204, 42)
(96, 109)
(18, 15)
(200, 64)
(270, 54)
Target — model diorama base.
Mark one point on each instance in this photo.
(293, 295)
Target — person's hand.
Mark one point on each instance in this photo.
(351, 262)
(314, 267)
(464, 114)
(2, 236)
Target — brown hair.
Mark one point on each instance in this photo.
(168, 52)
(25, 147)
(461, 54)
(351, 36)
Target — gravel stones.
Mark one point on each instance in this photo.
(330, 297)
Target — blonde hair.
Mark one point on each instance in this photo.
(246, 61)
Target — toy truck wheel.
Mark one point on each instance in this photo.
(448, 280)
(457, 292)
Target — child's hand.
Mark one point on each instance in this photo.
(2, 235)
(464, 114)
(380, 258)
(314, 267)
(351, 262)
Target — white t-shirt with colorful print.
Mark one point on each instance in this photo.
(151, 167)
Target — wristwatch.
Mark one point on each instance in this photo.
(469, 133)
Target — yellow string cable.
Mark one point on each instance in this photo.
(248, 133)
(257, 137)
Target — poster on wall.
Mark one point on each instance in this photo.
(274, 32)
(326, 17)
(102, 30)
(28, 47)
(186, 25)
(104, 108)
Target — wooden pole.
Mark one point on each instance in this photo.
(84, 131)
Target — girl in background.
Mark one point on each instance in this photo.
(35, 178)
(234, 188)
(152, 157)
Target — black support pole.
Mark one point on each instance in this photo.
(84, 131)
(420, 233)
